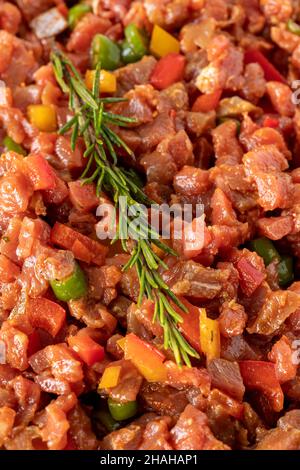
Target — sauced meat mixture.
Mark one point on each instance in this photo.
(212, 88)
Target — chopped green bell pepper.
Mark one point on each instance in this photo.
(71, 288)
(285, 271)
(105, 52)
(12, 146)
(293, 27)
(122, 411)
(265, 248)
(105, 418)
(127, 53)
(136, 41)
(76, 13)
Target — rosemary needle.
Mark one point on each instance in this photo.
(94, 122)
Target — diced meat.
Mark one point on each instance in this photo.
(81, 429)
(16, 343)
(225, 68)
(282, 354)
(140, 105)
(31, 231)
(157, 130)
(220, 404)
(156, 435)
(289, 420)
(250, 277)
(185, 377)
(197, 35)
(130, 382)
(222, 211)
(144, 315)
(278, 439)
(179, 147)
(174, 97)
(265, 159)
(232, 180)
(163, 399)
(198, 123)
(192, 432)
(232, 319)
(32, 8)
(277, 11)
(227, 148)
(255, 84)
(191, 181)
(275, 228)
(55, 424)
(66, 157)
(94, 315)
(226, 376)
(83, 197)
(159, 167)
(10, 17)
(193, 280)
(219, 10)
(23, 439)
(60, 360)
(17, 60)
(7, 417)
(281, 98)
(264, 166)
(277, 308)
(168, 13)
(129, 437)
(135, 74)
(48, 24)
(28, 398)
(265, 136)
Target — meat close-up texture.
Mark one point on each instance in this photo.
(189, 343)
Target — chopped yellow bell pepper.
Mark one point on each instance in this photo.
(162, 43)
(121, 342)
(110, 377)
(209, 336)
(146, 358)
(234, 106)
(108, 81)
(43, 117)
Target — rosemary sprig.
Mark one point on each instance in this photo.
(93, 122)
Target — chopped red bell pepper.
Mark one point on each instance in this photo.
(84, 248)
(40, 172)
(260, 375)
(86, 348)
(45, 314)
(190, 328)
(271, 73)
(270, 122)
(34, 343)
(250, 277)
(167, 71)
(146, 358)
(206, 103)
